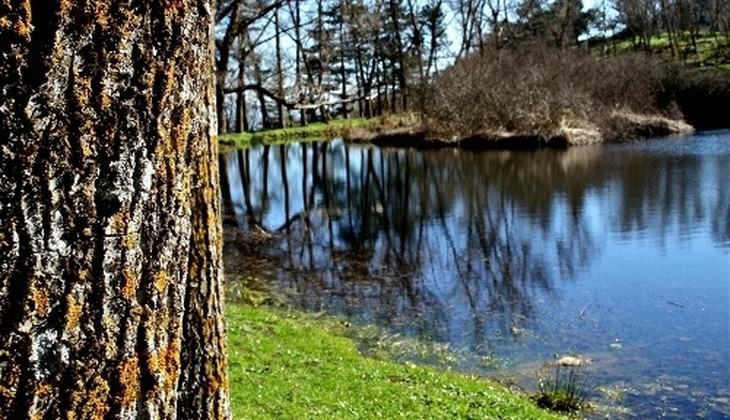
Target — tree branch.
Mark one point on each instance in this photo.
(293, 105)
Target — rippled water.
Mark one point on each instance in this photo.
(620, 253)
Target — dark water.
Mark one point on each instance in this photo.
(620, 253)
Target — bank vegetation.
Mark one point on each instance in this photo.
(534, 94)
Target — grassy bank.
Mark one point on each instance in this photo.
(316, 130)
(713, 50)
(290, 365)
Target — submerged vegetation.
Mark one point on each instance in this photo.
(290, 365)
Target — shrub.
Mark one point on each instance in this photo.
(538, 90)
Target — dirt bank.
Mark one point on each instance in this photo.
(619, 126)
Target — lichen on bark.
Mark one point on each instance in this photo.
(110, 275)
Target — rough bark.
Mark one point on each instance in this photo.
(110, 263)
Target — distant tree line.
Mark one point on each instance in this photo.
(308, 58)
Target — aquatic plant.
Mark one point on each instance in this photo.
(562, 389)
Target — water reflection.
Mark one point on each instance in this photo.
(509, 252)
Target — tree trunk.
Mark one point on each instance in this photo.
(394, 14)
(379, 97)
(359, 89)
(258, 77)
(298, 70)
(279, 71)
(111, 300)
(343, 71)
(241, 111)
(224, 54)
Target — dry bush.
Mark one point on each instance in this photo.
(537, 90)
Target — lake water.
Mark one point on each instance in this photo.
(619, 253)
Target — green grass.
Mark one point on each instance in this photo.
(316, 130)
(713, 50)
(292, 365)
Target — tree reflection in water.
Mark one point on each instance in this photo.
(458, 246)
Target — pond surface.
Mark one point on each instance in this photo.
(620, 253)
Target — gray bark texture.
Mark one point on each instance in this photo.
(111, 300)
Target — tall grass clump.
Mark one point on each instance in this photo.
(562, 389)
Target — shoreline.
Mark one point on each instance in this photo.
(407, 132)
(622, 126)
(313, 131)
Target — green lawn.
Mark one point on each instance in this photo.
(713, 50)
(334, 128)
(292, 365)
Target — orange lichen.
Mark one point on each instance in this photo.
(171, 367)
(43, 389)
(182, 128)
(129, 380)
(106, 101)
(129, 283)
(160, 281)
(89, 400)
(5, 23)
(153, 362)
(216, 379)
(40, 298)
(10, 380)
(85, 149)
(216, 375)
(82, 91)
(64, 6)
(166, 363)
(108, 345)
(73, 312)
(22, 25)
(118, 221)
(169, 79)
(102, 14)
(174, 10)
(130, 240)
